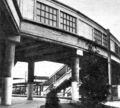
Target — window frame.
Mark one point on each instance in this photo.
(105, 40)
(97, 36)
(68, 22)
(49, 14)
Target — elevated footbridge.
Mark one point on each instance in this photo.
(39, 30)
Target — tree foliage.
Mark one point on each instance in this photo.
(93, 75)
(52, 101)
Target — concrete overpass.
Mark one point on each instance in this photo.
(37, 30)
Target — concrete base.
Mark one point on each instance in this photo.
(75, 91)
(7, 91)
(30, 92)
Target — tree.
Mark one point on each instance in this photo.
(93, 76)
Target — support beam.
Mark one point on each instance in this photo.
(75, 79)
(30, 80)
(7, 70)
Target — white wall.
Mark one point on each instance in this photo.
(27, 9)
(112, 45)
(84, 30)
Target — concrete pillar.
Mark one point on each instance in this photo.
(30, 80)
(75, 79)
(2, 51)
(37, 89)
(7, 70)
(109, 66)
(40, 90)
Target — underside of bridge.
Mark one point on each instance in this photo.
(36, 50)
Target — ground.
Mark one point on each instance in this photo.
(22, 102)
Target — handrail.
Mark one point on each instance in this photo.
(65, 75)
(61, 77)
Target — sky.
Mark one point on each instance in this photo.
(43, 68)
(104, 12)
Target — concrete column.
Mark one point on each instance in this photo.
(40, 91)
(8, 65)
(75, 79)
(2, 53)
(109, 66)
(30, 80)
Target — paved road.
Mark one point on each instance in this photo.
(22, 102)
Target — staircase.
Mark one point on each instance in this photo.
(58, 78)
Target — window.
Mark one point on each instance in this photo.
(46, 14)
(97, 36)
(116, 48)
(67, 22)
(105, 41)
(119, 51)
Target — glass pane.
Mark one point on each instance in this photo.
(42, 13)
(61, 20)
(51, 16)
(43, 7)
(38, 12)
(71, 24)
(70, 18)
(42, 19)
(67, 17)
(47, 9)
(46, 21)
(51, 23)
(54, 12)
(38, 18)
(61, 14)
(51, 10)
(61, 26)
(54, 18)
(65, 21)
(68, 23)
(74, 20)
(47, 15)
(40, 6)
(54, 24)
(67, 28)
(70, 29)
(73, 30)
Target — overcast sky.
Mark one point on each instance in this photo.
(104, 12)
(44, 68)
